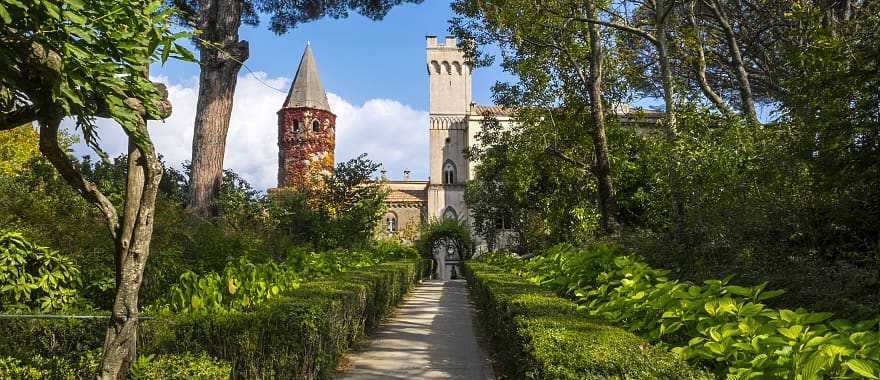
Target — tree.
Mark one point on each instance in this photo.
(342, 210)
(221, 57)
(87, 61)
(560, 62)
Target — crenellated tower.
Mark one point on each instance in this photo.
(306, 128)
(449, 103)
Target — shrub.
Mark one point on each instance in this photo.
(300, 334)
(718, 324)
(243, 285)
(538, 335)
(38, 367)
(179, 367)
(35, 277)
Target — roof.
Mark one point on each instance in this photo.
(307, 90)
(493, 110)
(625, 112)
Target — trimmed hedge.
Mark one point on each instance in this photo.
(300, 335)
(538, 335)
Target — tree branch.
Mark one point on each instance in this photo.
(621, 27)
(17, 118)
(50, 148)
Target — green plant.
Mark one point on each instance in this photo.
(300, 334)
(539, 335)
(243, 284)
(34, 277)
(717, 324)
(179, 367)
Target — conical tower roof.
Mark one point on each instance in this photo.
(307, 90)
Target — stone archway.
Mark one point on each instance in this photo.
(448, 256)
(446, 242)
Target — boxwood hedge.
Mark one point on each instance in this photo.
(538, 335)
(300, 335)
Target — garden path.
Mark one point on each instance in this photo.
(430, 336)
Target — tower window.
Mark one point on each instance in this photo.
(316, 126)
(297, 125)
(448, 173)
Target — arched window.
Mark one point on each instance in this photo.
(297, 125)
(457, 67)
(436, 66)
(450, 213)
(390, 223)
(316, 126)
(448, 173)
(447, 68)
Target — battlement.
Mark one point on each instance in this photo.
(448, 42)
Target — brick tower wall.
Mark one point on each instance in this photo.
(303, 154)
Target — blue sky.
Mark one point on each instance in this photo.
(373, 71)
(358, 59)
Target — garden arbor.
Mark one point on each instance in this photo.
(447, 242)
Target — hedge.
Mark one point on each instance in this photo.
(300, 335)
(538, 335)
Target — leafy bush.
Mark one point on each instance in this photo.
(538, 335)
(243, 285)
(718, 324)
(38, 367)
(50, 349)
(35, 277)
(445, 228)
(300, 334)
(179, 367)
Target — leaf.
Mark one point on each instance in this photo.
(770, 294)
(863, 368)
(792, 332)
(739, 290)
(787, 315)
(4, 14)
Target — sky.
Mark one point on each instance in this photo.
(376, 82)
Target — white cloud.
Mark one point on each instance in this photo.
(388, 131)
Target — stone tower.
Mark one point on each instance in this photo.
(449, 98)
(306, 128)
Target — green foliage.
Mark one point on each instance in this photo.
(299, 335)
(538, 335)
(86, 64)
(243, 285)
(179, 367)
(38, 367)
(53, 349)
(717, 324)
(341, 213)
(34, 277)
(17, 147)
(442, 230)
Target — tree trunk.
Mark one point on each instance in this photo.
(221, 57)
(607, 201)
(701, 68)
(671, 128)
(742, 76)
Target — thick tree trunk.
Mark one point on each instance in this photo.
(221, 57)
(132, 251)
(607, 200)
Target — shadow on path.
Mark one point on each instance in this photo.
(431, 336)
